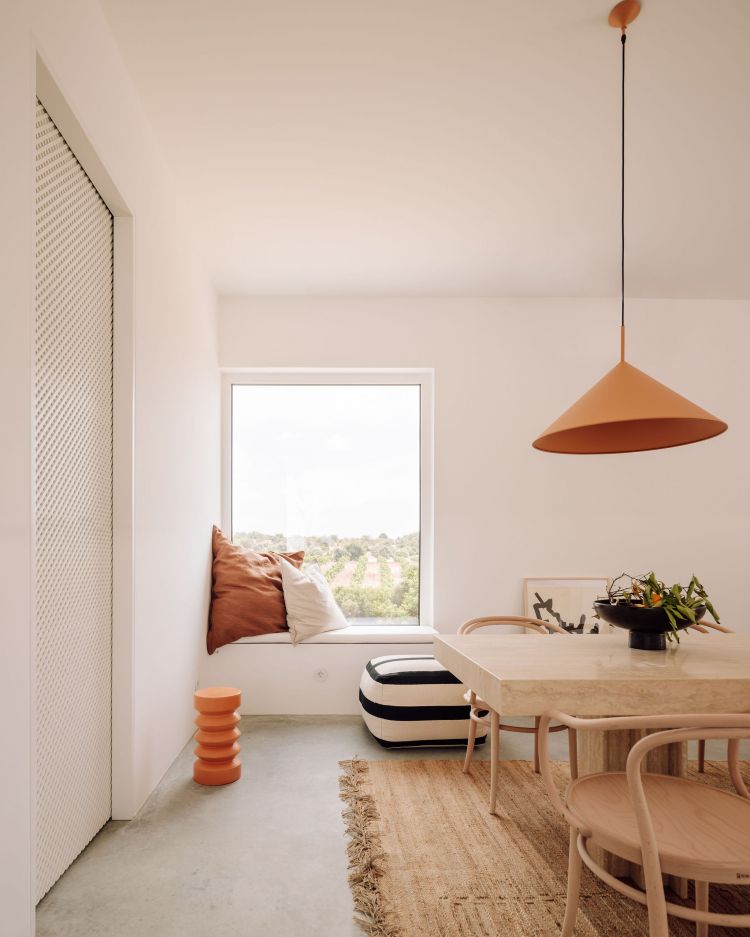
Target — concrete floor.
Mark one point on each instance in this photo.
(263, 856)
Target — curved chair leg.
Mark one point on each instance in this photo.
(537, 720)
(701, 904)
(573, 750)
(658, 922)
(574, 886)
(470, 745)
(494, 757)
(702, 756)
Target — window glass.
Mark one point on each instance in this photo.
(334, 470)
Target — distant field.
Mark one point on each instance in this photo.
(373, 578)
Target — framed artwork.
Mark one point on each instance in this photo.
(567, 602)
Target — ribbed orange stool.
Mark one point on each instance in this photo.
(217, 749)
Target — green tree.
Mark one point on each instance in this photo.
(406, 594)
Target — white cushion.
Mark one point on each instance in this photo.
(310, 606)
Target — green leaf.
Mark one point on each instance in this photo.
(713, 611)
(687, 612)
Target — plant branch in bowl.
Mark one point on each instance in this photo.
(679, 602)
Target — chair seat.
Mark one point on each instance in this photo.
(702, 833)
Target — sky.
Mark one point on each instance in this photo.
(313, 460)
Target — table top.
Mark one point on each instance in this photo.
(599, 675)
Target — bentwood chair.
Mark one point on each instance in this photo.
(482, 714)
(703, 627)
(668, 825)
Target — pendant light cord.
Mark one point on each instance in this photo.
(622, 194)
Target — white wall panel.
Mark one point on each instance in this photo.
(73, 350)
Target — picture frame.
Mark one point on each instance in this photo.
(566, 601)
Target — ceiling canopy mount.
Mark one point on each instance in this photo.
(623, 14)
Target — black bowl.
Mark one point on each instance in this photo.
(648, 627)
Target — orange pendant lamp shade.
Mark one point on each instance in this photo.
(628, 411)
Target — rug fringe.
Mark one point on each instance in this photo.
(364, 851)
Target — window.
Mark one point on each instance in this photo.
(335, 465)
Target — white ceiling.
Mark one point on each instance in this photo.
(452, 146)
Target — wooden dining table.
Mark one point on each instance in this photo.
(599, 675)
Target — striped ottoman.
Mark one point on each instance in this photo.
(413, 701)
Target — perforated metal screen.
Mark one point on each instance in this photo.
(74, 252)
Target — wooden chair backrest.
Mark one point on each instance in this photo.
(704, 626)
(530, 624)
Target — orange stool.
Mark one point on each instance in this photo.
(217, 749)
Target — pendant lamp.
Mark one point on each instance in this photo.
(627, 411)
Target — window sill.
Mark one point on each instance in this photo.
(355, 634)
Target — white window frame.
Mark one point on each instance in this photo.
(421, 377)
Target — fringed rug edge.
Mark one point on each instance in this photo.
(364, 851)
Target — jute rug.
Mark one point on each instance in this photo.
(427, 859)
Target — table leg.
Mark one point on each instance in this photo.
(608, 751)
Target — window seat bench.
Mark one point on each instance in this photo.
(354, 634)
(319, 676)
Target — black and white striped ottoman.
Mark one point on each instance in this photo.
(413, 701)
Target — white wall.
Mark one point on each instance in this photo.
(310, 679)
(176, 404)
(504, 370)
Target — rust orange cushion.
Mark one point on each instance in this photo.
(246, 593)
